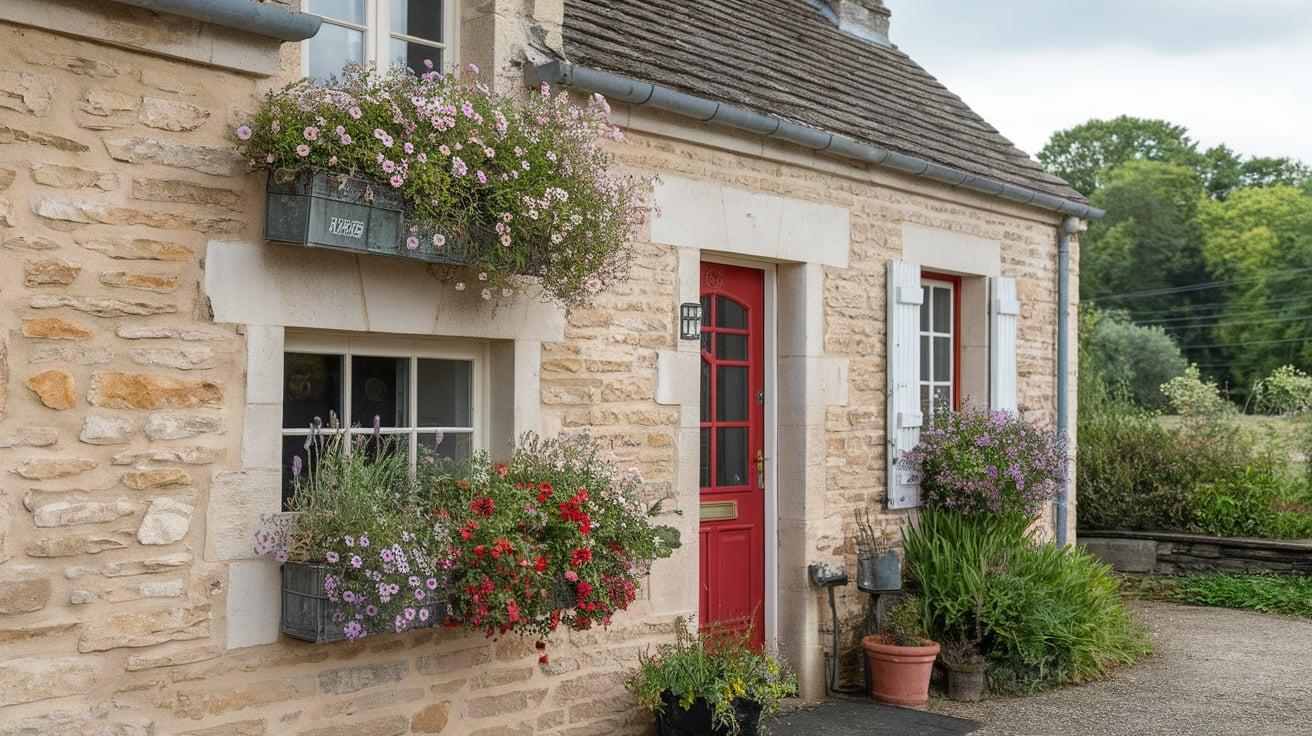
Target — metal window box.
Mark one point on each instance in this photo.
(307, 614)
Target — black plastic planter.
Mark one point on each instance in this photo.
(673, 720)
(307, 614)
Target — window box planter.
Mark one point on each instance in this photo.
(307, 614)
(673, 720)
(317, 208)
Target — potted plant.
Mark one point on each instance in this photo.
(440, 168)
(965, 669)
(554, 536)
(901, 659)
(711, 684)
(357, 554)
(878, 568)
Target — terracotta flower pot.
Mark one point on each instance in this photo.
(899, 675)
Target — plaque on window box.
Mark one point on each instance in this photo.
(307, 614)
(317, 208)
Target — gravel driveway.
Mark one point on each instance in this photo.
(1216, 672)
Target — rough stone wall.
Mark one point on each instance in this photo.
(120, 401)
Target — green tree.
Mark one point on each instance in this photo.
(1123, 356)
(1085, 154)
(1258, 241)
(1224, 171)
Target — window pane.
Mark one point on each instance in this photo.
(332, 48)
(311, 387)
(351, 11)
(942, 398)
(729, 314)
(445, 446)
(706, 312)
(731, 347)
(413, 55)
(379, 388)
(292, 447)
(926, 300)
(924, 401)
(942, 358)
(418, 18)
(942, 309)
(445, 393)
(731, 456)
(924, 358)
(706, 391)
(706, 341)
(706, 458)
(731, 393)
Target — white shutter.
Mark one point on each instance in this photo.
(1004, 310)
(903, 368)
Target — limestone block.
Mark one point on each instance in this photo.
(188, 455)
(78, 544)
(53, 328)
(103, 306)
(387, 726)
(237, 500)
(150, 391)
(102, 430)
(23, 595)
(85, 212)
(432, 719)
(146, 479)
(29, 242)
(137, 249)
(98, 355)
(217, 161)
(183, 359)
(70, 513)
(29, 437)
(28, 679)
(153, 565)
(55, 467)
(177, 190)
(72, 177)
(105, 109)
(166, 521)
(358, 677)
(27, 92)
(181, 425)
(18, 135)
(1124, 555)
(171, 115)
(255, 603)
(145, 628)
(138, 662)
(50, 723)
(137, 332)
(6, 177)
(54, 388)
(140, 281)
(31, 633)
(47, 271)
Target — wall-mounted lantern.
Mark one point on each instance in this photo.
(690, 321)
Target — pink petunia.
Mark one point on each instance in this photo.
(412, 243)
(356, 113)
(244, 132)
(397, 181)
(303, 150)
(439, 240)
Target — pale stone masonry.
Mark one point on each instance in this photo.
(142, 325)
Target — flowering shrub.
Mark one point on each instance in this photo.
(555, 536)
(357, 515)
(983, 462)
(521, 183)
(718, 668)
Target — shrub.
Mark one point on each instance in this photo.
(520, 180)
(1042, 615)
(984, 462)
(1286, 392)
(1259, 502)
(1189, 395)
(716, 667)
(1284, 594)
(1135, 358)
(556, 515)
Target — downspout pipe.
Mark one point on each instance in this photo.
(264, 19)
(636, 92)
(1069, 227)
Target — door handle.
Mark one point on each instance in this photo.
(760, 469)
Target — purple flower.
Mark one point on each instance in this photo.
(356, 562)
(482, 178)
(348, 596)
(296, 467)
(396, 181)
(332, 557)
(423, 614)
(311, 133)
(371, 610)
(346, 139)
(431, 583)
(458, 166)
(355, 112)
(302, 150)
(389, 166)
(439, 240)
(244, 132)
(364, 540)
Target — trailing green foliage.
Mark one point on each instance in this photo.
(719, 668)
(1284, 594)
(1042, 615)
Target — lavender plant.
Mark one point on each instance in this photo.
(521, 184)
(980, 462)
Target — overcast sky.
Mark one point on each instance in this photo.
(1232, 71)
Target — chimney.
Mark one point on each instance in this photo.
(866, 19)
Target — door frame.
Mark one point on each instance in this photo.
(771, 420)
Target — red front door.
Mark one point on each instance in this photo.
(732, 449)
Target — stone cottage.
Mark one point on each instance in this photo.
(865, 251)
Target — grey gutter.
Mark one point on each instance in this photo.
(1069, 227)
(635, 92)
(265, 19)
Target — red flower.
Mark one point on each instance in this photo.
(585, 589)
(512, 611)
(500, 469)
(540, 564)
(482, 506)
(544, 492)
(580, 556)
(502, 547)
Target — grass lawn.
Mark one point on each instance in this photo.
(1289, 595)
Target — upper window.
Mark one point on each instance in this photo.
(384, 32)
(427, 396)
(939, 343)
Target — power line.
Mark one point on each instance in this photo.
(1248, 342)
(1225, 322)
(1202, 286)
(1219, 308)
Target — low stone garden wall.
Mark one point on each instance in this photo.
(1173, 552)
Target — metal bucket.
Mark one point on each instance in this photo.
(879, 574)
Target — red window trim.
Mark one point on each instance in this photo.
(956, 330)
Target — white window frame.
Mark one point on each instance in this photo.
(929, 285)
(378, 34)
(414, 349)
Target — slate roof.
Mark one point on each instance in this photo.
(786, 58)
